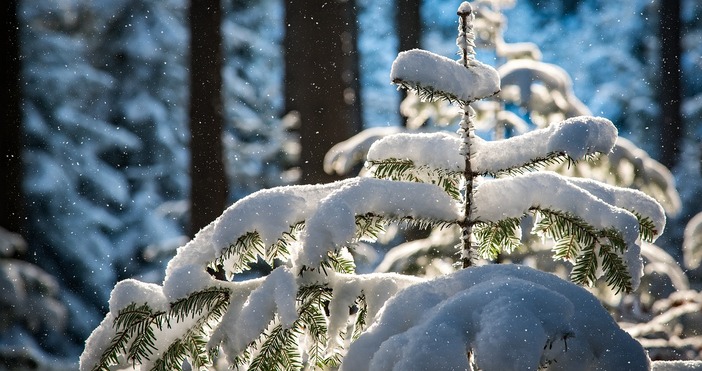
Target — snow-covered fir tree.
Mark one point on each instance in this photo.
(313, 311)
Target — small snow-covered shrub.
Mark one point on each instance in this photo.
(313, 311)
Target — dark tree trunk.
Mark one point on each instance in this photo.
(408, 19)
(321, 78)
(12, 213)
(208, 193)
(670, 92)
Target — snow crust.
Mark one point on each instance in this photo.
(575, 137)
(439, 73)
(536, 315)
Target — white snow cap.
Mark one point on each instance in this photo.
(533, 314)
(464, 8)
(575, 137)
(132, 291)
(441, 74)
(626, 198)
(434, 150)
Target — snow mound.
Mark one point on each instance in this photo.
(540, 318)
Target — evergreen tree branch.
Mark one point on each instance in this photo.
(585, 268)
(280, 350)
(360, 322)
(647, 228)
(494, 238)
(534, 164)
(248, 248)
(405, 170)
(281, 248)
(339, 263)
(428, 93)
(192, 344)
(133, 320)
(616, 273)
(370, 225)
(137, 324)
(577, 241)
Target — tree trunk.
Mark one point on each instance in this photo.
(12, 213)
(321, 78)
(408, 19)
(208, 193)
(670, 92)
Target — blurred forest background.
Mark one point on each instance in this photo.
(131, 124)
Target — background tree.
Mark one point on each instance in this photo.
(408, 20)
(208, 187)
(12, 214)
(321, 78)
(670, 92)
(105, 138)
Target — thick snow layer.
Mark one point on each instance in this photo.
(275, 296)
(537, 316)
(97, 342)
(627, 199)
(375, 288)
(433, 150)
(497, 199)
(575, 137)
(525, 74)
(343, 156)
(692, 242)
(269, 212)
(441, 74)
(334, 222)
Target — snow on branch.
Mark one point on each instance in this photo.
(575, 138)
(333, 224)
(251, 227)
(497, 199)
(650, 213)
(434, 76)
(542, 320)
(602, 234)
